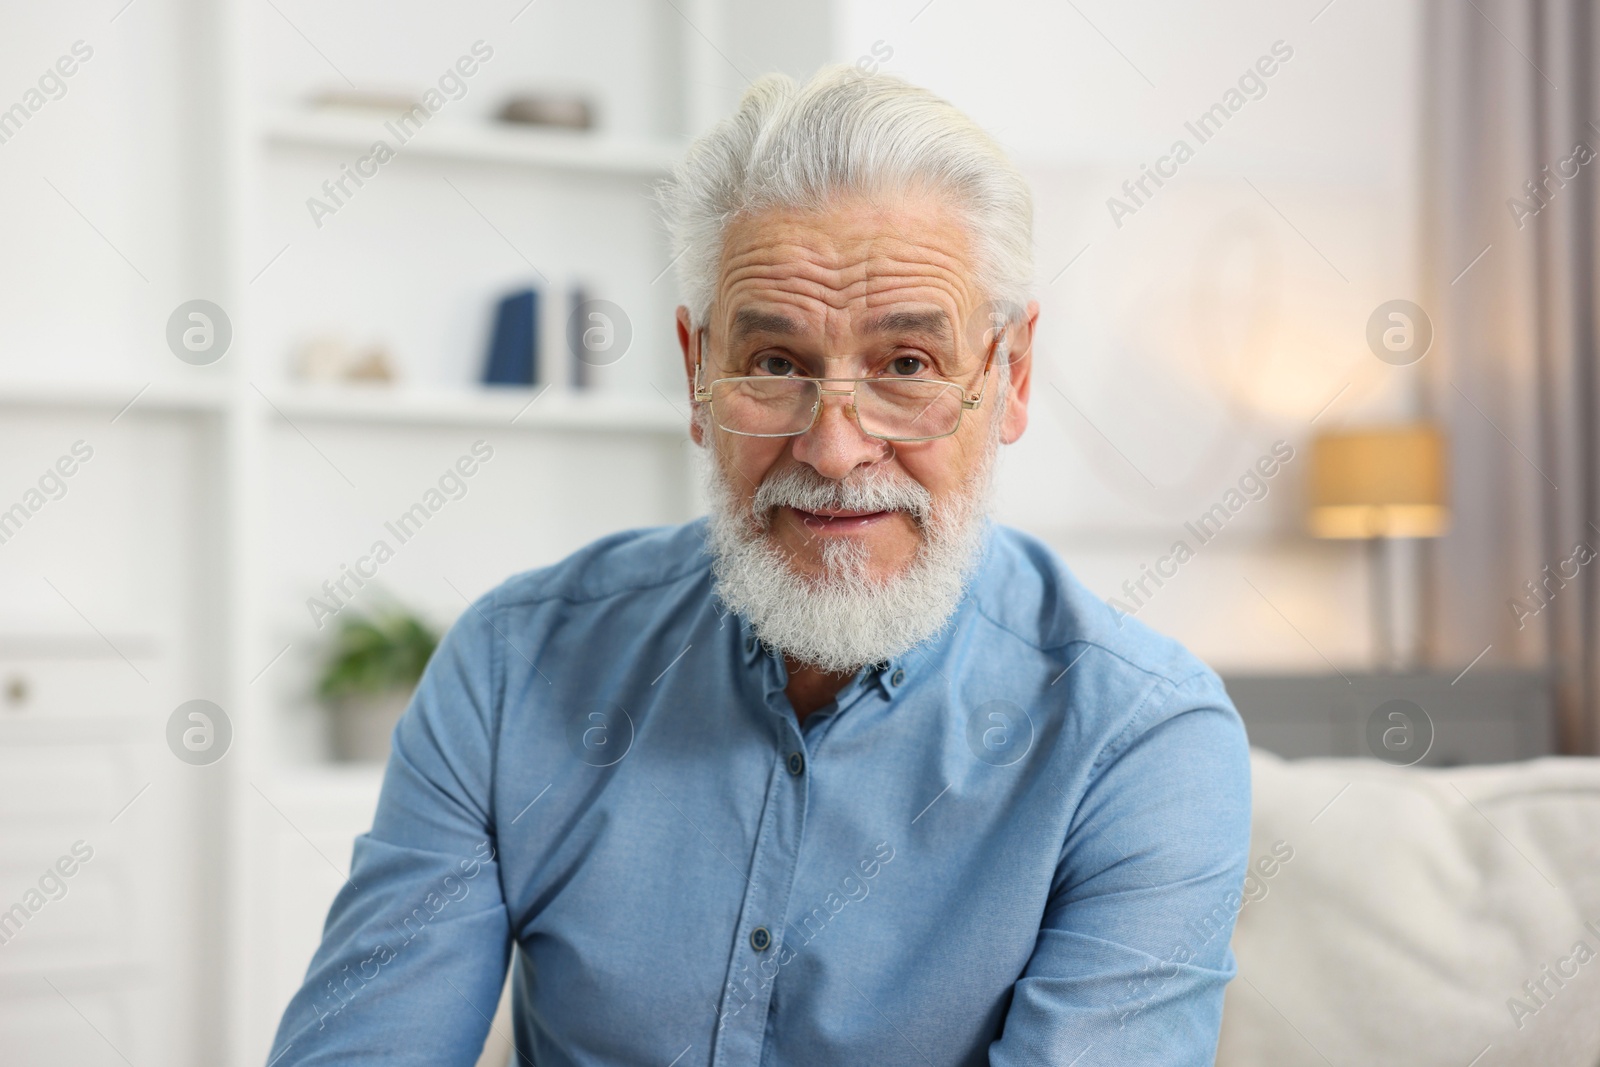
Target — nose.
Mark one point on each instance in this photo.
(835, 444)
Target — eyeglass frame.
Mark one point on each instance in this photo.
(969, 402)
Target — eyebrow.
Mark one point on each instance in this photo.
(747, 321)
(933, 323)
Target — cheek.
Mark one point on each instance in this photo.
(943, 466)
(937, 466)
(748, 459)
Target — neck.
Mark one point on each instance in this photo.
(810, 688)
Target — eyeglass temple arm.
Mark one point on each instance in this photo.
(971, 402)
(700, 395)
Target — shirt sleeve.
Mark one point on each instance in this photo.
(415, 948)
(1132, 956)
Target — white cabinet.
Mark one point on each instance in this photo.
(98, 876)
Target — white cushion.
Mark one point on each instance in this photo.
(1411, 912)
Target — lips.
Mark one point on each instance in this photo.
(839, 520)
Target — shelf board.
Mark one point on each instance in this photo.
(196, 397)
(28, 980)
(531, 408)
(352, 131)
(36, 644)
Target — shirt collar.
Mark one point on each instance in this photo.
(888, 677)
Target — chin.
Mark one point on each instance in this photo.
(870, 558)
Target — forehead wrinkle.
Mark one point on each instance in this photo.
(870, 285)
(838, 271)
(836, 256)
(854, 269)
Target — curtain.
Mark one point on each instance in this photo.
(1511, 146)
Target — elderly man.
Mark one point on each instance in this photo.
(843, 773)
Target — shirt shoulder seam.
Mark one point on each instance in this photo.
(1138, 721)
(1095, 643)
(547, 596)
(1165, 684)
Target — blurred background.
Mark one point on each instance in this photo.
(319, 320)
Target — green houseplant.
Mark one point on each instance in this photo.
(373, 666)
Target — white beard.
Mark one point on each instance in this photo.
(845, 618)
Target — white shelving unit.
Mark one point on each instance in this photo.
(282, 884)
(467, 210)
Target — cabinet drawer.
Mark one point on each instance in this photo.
(85, 920)
(63, 785)
(42, 1029)
(68, 688)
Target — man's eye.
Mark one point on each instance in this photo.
(776, 365)
(906, 366)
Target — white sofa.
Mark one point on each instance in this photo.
(1425, 917)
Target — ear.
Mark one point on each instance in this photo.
(1021, 385)
(686, 345)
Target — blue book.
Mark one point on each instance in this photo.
(514, 348)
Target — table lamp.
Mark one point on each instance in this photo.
(1379, 485)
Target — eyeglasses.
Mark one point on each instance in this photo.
(892, 409)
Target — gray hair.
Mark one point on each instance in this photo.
(793, 146)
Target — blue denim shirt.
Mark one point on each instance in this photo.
(1019, 844)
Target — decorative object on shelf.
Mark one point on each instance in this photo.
(599, 333)
(388, 101)
(580, 375)
(514, 348)
(331, 358)
(570, 112)
(372, 669)
(1381, 485)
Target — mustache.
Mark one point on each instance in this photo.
(802, 487)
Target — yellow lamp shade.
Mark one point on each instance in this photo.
(1389, 482)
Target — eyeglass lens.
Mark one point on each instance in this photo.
(779, 406)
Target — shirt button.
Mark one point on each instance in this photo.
(760, 938)
(797, 763)
(897, 677)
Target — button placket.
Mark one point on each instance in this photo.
(758, 952)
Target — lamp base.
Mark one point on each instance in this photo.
(1396, 633)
